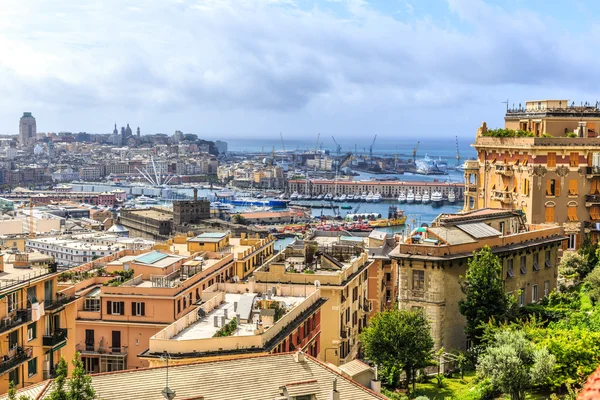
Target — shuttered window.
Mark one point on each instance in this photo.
(572, 213)
(573, 187)
(549, 214)
(595, 189)
(551, 162)
(574, 160)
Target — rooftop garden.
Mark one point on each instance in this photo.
(119, 277)
(503, 132)
(227, 330)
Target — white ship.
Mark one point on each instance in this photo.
(410, 197)
(451, 197)
(376, 198)
(429, 166)
(437, 199)
(418, 198)
(425, 199)
(402, 197)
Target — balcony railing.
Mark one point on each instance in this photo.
(59, 335)
(96, 349)
(502, 196)
(593, 170)
(505, 170)
(592, 199)
(19, 317)
(592, 226)
(58, 303)
(21, 354)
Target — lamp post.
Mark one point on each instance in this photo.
(167, 392)
(335, 353)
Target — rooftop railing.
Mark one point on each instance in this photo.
(8, 283)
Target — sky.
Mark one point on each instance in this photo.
(255, 68)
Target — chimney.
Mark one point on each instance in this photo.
(195, 194)
(299, 357)
(375, 382)
(334, 394)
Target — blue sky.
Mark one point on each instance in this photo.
(253, 68)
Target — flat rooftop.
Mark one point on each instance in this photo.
(205, 327)
(209, 237)
(150, 213)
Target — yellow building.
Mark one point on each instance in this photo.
(552, 175)
(342, 273)
(37, 323)
(431, 262)
(209, 241)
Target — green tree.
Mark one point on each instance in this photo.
(574, 264)
(590, 253)
(514, 364)
(592, 282)
(399, 340)
(484, 293)
(79, 386)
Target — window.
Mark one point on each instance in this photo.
(32, 367)
(418, 280)
(574, 160)
(13, 340)
(536, 261)
(522, 297)
(552, 187)
(509, 268)
(13, 376)
(572, 213)
(523, 265)
(546, 288)
(551, 162)
(115, 307)
(91, 304)
(549, 214)
(572, 241)
(547, 261)
(31, 331)
(534, 294)
(178, 306)
(12, 300)
(573, 190)
(138, 309)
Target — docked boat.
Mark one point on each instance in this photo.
(254, 209)
(395, 217)
(376, 198)
(369, 198)
(343, 197)
(336, 198)
(363, 196)
(320, 197)
(346, 207)
(328, 196)
(294, 196)
(350, 197)
(145, 200)
(402, 197)
(430, 166)
(217, 205)
(410, 197)
(418, 198)
(451, 197)
(437, 198)
(425, 198)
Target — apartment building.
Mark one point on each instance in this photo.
(341, 272)
(37, 323)
(116, 316)
(431, 261)
(68, 251)
(236, 320)
(553, 176)
(248, 252)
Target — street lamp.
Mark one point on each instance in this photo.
(167, 392)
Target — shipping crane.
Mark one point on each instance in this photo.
(338, 148)
(414, 152)
(457, 153)
(371, 149)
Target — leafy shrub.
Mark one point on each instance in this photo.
(502, 132)
(572, 264)
(572, 135)
(592, 285)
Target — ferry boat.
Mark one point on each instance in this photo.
(410, 197)
(429, 166)
(145, 200)
(451, 197)
(425, 198)
(402, 197)
(437, 199)
(418, 198)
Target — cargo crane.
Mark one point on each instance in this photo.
(338, 148)
(371, 149)
(457, 153)
(414, 153)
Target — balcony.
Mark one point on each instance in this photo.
(593, 170)
(502, 195)
(18, 357)
(59, 335)
(101, 350)
(592, 199)
(19, 317)
(58, 304)
(591, 226)
(505, 170)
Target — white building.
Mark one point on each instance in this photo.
(70, 252)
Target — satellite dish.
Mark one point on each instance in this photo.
(317, 284)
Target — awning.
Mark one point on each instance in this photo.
(60, 345)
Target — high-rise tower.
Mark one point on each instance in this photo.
(27, 129)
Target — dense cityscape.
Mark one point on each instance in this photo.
(268, 200)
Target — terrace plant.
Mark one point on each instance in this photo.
(227, 330)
